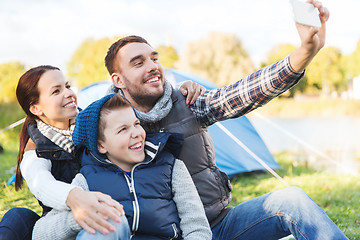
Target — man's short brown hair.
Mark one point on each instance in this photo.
(115, 47)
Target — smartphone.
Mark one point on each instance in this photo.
(305, 13)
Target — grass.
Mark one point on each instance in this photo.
(337, 195)
(9, 198)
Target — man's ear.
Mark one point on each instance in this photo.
(117, 80)
(34, 109)
(101, 148)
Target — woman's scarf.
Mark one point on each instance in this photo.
(62, 138)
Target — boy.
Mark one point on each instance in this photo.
(158, 195)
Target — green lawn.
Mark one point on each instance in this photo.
(338, 195)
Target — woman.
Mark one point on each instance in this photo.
(50, 106)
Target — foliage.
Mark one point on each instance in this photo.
(277, 53)
(325, 72)
(220, 58)
(351, 63)
(167, 56)
(9, 77)
(87, 65)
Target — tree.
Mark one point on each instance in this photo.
(87, 65)
(276, 54)
(167, 56)
(325, 72)
(220, 58)
(351, 63)
(9, 77)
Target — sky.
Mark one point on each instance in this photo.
(38, 32)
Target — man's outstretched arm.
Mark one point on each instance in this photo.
(265, 84)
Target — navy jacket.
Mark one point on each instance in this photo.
(64, 166)
(145, 192)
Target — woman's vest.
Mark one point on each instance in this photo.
(199, 157)
(145, 192)
(64, 166)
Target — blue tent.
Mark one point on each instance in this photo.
(230, 157)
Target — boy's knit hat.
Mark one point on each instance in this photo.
(86, 125)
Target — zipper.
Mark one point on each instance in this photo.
(131, 184)
(175, 231)
(135, 203)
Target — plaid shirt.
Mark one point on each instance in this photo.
(246, 94)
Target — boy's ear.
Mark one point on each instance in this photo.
(34, 109)
(101, 148)
(117, 80)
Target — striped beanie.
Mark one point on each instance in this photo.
(86, 125)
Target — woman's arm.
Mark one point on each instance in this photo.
(37, 174)
(193, 221)
(88, 208)
(59, 224)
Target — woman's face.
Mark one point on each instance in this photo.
(57, 102)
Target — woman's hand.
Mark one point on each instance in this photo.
(91, 210)
(192, 91)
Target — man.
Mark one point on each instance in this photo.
(135, 70)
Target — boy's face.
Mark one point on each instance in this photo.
(124, 138)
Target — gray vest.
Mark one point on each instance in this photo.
(199, 157)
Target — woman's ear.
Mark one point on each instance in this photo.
(101, 148)
(117, 80)
(34, 109)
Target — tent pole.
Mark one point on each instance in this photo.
(241, 144)
(12, 125)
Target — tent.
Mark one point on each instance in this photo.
(230, 157)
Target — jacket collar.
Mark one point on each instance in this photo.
(154, 144)
(45, 147)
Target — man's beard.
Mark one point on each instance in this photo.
(142, 98)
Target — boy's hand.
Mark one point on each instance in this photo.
(192, 91)
(91, 210)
